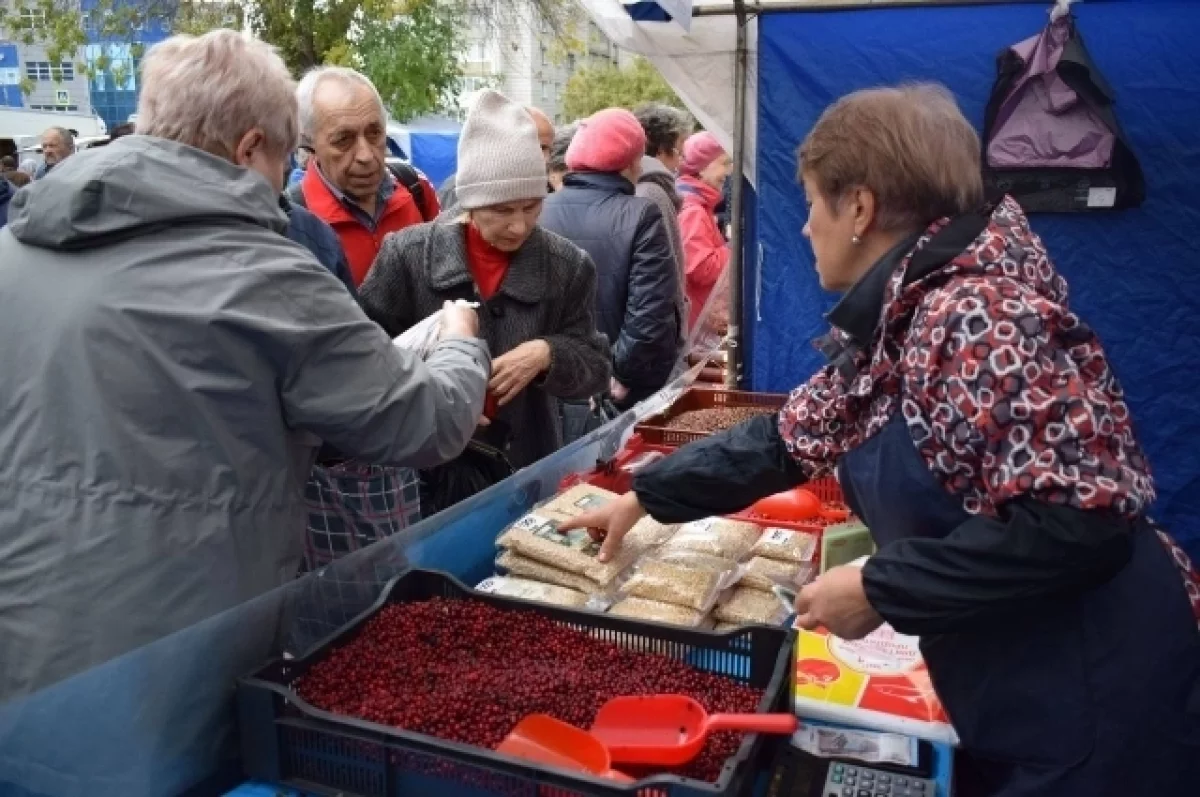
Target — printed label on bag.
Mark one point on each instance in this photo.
(591, 502)
(804, 544)
(578, 539)
(535, 523)
(488, 585)
(699, 526)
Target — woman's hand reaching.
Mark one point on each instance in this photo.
(609, 524)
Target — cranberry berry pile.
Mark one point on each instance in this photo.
(468, 672)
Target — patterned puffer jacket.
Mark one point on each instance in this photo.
(1006, 392)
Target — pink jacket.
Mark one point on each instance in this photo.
(704, 248)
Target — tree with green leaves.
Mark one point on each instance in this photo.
(593, 89)
(62, 27)
(415, 58)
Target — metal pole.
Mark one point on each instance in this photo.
(733, 338)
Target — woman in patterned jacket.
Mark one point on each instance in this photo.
(975, 424)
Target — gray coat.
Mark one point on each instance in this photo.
(172, 363)
(549, 293)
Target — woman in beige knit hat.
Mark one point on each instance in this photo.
(537, 292)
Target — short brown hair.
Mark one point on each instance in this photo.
(910, 146)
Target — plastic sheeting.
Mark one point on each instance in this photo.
(160, 720)
(1134, 275)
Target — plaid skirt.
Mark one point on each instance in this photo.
(351, 505)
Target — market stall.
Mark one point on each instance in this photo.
(164, 719)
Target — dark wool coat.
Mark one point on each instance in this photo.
(548, 293)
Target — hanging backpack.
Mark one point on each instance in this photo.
(1051, 138)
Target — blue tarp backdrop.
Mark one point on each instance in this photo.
(1134, 275)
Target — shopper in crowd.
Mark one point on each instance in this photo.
(348, 184)
(58, 144)
(703, 172)
(180, 361)
(537, 290)
(978, 429)
(666, 131)
(556, 166)
(8, 163)
(319, 238)
(627, 239)
(447, 194)
(7, 189)
(301, 157)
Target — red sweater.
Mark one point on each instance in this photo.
(705, 251)
(487, 264)
(359, 243)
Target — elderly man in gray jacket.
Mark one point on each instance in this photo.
(171, 364)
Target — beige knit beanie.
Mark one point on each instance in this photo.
(499, 157)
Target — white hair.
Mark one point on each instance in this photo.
(307, 90)
(209, 91)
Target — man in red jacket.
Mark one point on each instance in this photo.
(348, 185)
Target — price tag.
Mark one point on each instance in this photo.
(533, 522)
(488, 585)
(775, 536)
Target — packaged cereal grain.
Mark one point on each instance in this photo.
(514, 564)
(730, 539)
(657, 612)
(525, 589)
(786, 545)
(665, 582)
(749, 606)
(761, 573)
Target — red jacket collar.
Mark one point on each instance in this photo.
(696, 190)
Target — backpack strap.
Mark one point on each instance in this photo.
(410, 178)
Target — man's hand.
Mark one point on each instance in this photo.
(512, 372)
(459, 321)
(609, 524)
(838, 601)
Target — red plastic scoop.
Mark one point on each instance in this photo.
(542, 738)
(670, 730)
(795, 505)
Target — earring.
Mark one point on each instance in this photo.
(856, 240)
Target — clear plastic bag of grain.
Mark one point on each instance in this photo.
(657, 579)
(657, 612)
(513, 564)
(694, 559)
(728, 539)
(562, 507)
(746, 606)
(786, 545)
(762, 573)
(510, 587)
(537, 537)
(725, 628)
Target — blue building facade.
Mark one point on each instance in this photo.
(114, 64)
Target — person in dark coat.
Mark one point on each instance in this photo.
(7, 190)
(977, 427)
(319, 238)
(537, 289)
(626, 236)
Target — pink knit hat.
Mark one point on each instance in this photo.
(699, 151)
(608, 141)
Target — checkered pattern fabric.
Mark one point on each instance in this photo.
(351, 505)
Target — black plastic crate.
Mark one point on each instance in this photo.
(285, 740)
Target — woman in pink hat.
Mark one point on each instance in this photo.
(702, 174)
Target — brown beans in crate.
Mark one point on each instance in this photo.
(714, 419)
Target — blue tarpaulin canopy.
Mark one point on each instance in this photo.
(1134, 275)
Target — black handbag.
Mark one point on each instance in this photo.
(482, 464)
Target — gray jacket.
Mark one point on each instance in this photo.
(549, 293)
(658, 185)
(173, 362)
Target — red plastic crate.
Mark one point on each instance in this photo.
(616, 475)
(653, 430)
